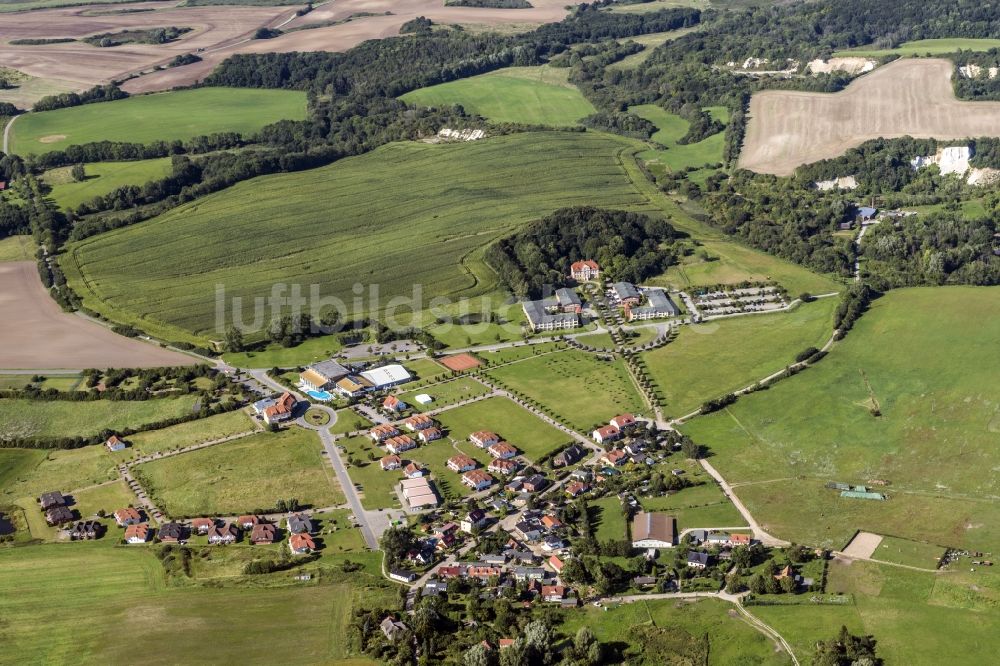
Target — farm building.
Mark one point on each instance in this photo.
(653, 530)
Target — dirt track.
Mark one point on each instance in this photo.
(909, 97)
(35, 333)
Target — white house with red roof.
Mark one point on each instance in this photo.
(584, 270)
(608, 433)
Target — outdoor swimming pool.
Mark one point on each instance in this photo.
(324, 396)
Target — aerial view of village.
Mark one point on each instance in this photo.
(500, 332)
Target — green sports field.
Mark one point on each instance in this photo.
(162, 116)
(102, 178)
(927, 358)
(403, 215)
(531, 95)
(65, 418)
(709, 360)
(243, 475)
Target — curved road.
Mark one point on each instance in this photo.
(6, 134)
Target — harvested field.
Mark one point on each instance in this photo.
(863, 545)
(906, 98)
(37, 334)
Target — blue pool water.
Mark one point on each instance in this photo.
(320, 395)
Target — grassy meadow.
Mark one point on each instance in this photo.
(671, 127)
(17, 248)
(186, 434)
(531, 95)
(709, 360)
(922, 47)
(927, 358)
(532, 436)
(181, 114)
(245, 474)
(430, 227)
(65, 418)
(579, 388)
(102, 178)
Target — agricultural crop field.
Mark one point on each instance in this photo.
(671, 127)
(580, 389)
(532, 436)
(531, 95)
(868, 411)
(708, 360)
(243, 475)
(437, 206)
(57, 600)
(65, 418)
(909, 97)
(102, 178)
(166, 116)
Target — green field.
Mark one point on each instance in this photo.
(349, 420)
(910, 553)
(24, 5)
(701, 506)
(709, 360)
(102, 178)
(529, 95)
(577, 387)
(17, 248)
(64, 418)
(37, 472)
(532, 436)
(243, 475)
(376, 485)
(650, 41)
(277, 356)
(159, 117)
(608, 519)
(922, 47)
(186, 434)
(73, 603)
(929, 358)
(444, 393)
(437, 209)
(675, 156)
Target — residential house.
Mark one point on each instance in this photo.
(115, 443)
(653, 530)
(569, 456)
(477, 479)
(584, 270)
(502, 450)
(624, 422)
(390, 462)
(495, 559)
(444, 573)
(866, 214)
(504, 467)
(697, 560)
(635, 448)
(484, 438)
(59, 515)
(301, 544)
(172, 533)
(380, 433)
(51, 499)
(608, 433)
(552, 543)
(461, 463)
(551, 522)
(576, 488)
(644, 581)
(393, 629)
(434, 588)
(413, 471)
(475, 519)
(535, 483)
(428, 435)
(127, 516)
(553, 592)
(393, 404)
(615, 457)
(247, 522)
(202, 525)
(740, 540)
(223, 534)
(718, 539)
(527, 531)
(299, 524)
(555, 563)
(529, 573)
(399, 444)
(505, 643)
(281, 410)
(448, 528)
(137, 533)
(86, 530)
(582, 474)
(418, 422)
(402, 575)
(698, 536)
(483, 572)
(263, 533)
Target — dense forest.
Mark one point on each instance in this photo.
(627, 246)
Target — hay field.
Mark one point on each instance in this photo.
(37, 334)
(403, 215)
(929, 356)
(908, 97)
(102, 178)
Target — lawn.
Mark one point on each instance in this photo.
(164, 116)
(349, 420)
(186, 434)
(921, 47)
(65, 418)
(436, 207)
(445, 393)
(700, 506)
(910, 553)
(671, 127)
(531, 95)
(102, 178)
(577, 387)
(276, 356)
(608, 520)
(710, 360)
(532, 436)
(56, 469)
(243, 475)
(107, 497)
(73, 604)
(377, 486)
(17, 248)
(935, 440)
